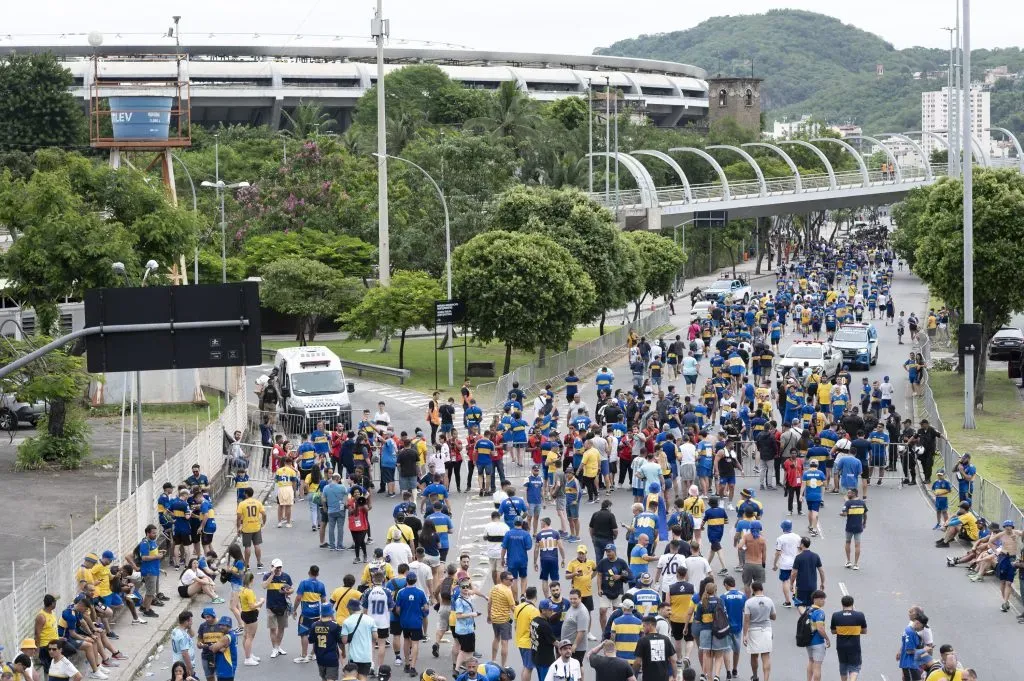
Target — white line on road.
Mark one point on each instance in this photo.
(843, 590)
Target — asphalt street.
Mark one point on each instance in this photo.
(900, 565)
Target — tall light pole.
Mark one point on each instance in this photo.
(968, 173)
(192, 186)
(379, 29)
(607, 140)
(590, 135)
(951, 164)
(119, 268)
(953, 100)
(447, 258)
(221, 188)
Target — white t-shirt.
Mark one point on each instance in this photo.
(687, 453)
(697, 568)
(562, 670)
(669, 564)
(187, 577)
(789, 545)
(491, 531)
(377, 604)
(423, 575)
(62, 669)
(382, 420)
(613, 448)
(842, 445)
(397, 552)
(887, 391)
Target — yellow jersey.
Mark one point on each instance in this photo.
(389, 573)
(591, 462)
(501, 603)
(584, 581)
(101, 578)
(694, 506)
(285, 476)
(251, 512)
(48, 632)
(523, 615)
(341, 597)
(680, 598)
(247, 599)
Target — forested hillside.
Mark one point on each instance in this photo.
(816, 64)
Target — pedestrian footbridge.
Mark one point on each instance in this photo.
(651, 207)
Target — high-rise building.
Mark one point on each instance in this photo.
(935, 109)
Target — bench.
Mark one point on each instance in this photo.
(480, 369)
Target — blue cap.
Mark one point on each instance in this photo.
(327, 610)
(609, 547)
(108, 555)
(546, 604)
(654, 488)
(208, 612)
(1007, 523)
(786, 525)
(354, 606)
(225, 621)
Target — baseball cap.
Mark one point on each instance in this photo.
(795, 422)
(536, 467)
(327, 610)
(1007, 523)
(208, 612)
(941, 472)
(627, 604)
(225, 621)
(92, 557)
(646, 578)
(564, 643)
(276, 563)
(108, 555)
(546, 604)
(581, 549)
(609, 547)
(786, 525)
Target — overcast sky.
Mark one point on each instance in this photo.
(570, 26)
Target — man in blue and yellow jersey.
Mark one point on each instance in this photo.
(715, 520)
(680, 598)
(278, 584)
(625, 632)
(964, 522)
(198, 479)
(225, 650)
(309, 597)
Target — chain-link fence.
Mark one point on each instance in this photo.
(121, 529)
(555, 367)
(989, 499)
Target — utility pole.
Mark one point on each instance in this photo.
(968, 162)
(379, 29)
(953, 100)
(590, 135)
(951, 168)
(615, 114)
(607, 140)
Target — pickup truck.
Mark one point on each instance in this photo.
(728, 289)
(817, 355)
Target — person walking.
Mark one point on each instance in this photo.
(848, 625)
(856, 512)
(334, 497)
(820, 640)
(807, 576)
(758, 615)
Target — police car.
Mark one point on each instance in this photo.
(701, 310)
(817, 354)
(726, 289)
(858, 344)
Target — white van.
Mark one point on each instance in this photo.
(313, 388)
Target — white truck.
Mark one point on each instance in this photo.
(728, 290)
(313, 388)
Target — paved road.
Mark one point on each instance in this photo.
(900, 566)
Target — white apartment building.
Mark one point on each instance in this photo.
(935, 108)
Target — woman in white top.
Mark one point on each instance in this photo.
(441, 455)
(194, 581)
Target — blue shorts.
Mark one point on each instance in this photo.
(527, 655)
(674, 470)
(703, 472)
(517, 571)
(572, 510)
(877, 459)
(549, 478)
(1004, 568)
(533, 509)
(549, 571)
(305, 625)
(604, 468)
(690, 379)
(941, 503)
(576, 460)
(814, 505)
(113, 600)
(447, 427)
(731, 480)
(784, 575)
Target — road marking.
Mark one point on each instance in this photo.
(843, 590)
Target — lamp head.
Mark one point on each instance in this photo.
(95, 38)
(152, 265)
(118, 267)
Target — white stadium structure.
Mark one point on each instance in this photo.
(252, 78)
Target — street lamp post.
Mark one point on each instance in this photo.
(380, 29)
(192, 186)
(447, 257)
(220, 186)
(118, 267)
(683, 225)
(968, 175)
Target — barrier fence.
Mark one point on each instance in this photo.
(989, 499)
(120, 530)
(555, 367)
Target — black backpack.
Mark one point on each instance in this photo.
(720, 626)
(804, 631)
(686, 523)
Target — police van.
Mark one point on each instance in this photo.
(313, 388)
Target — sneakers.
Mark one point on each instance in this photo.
(280, 523)
(856, 566)
(302, 660)
(849, 564)
(591, 637)
(217, 601)
(288, 524)
(99, 674)
(281, 651)
(435, 650)
(119, 656)
(138, 620)
(274, 653)
(251, 662)
(149, 613)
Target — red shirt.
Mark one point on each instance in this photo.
(471, 447)
(358, 520)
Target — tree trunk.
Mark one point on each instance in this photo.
(542, 353)
(57, 415)
(508, 358)
(600, 327)
(300, 331)
(401, 350)
(639, 302)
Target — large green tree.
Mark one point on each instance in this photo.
(521, 289)
(308, 290)
(930, 236)
(36, 108)
(407, 303)
(662, 261)
(424, 93)
(341, 252)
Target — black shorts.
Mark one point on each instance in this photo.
(382, 634)
(677, 631)
(206, 538)
(396, 628)
(183, 539)
(578, 655)
(194, 538)
(413, 634)
(865, 473)
(183, 591)
(362, 668)
(466, 641)
(444, 554)
(588, 602)
(716, 546)
(250, 616)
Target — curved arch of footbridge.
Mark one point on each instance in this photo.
(917, 150)
(785, 157)
(644, 181)
(820, 154)
(1016, 144)
(897, 168)
(749, 159)
(980, 152)
(672, 163)
(853, 152)
(714, 164)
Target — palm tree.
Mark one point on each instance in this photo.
(309, 119)
(563, 169)
(511, 114)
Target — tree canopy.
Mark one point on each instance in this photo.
(307, 289)
(36, 109)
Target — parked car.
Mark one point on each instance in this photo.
(1007, 343)
(14, 412)
(858, 344)
(816, 354)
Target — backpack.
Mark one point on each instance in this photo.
(686, 523)
(137, 555)
(804, 632)
(720, 626)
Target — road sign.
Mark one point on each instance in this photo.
(711, 218)
(173, 348)
(449, 312)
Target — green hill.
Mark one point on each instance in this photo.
(815, 64)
